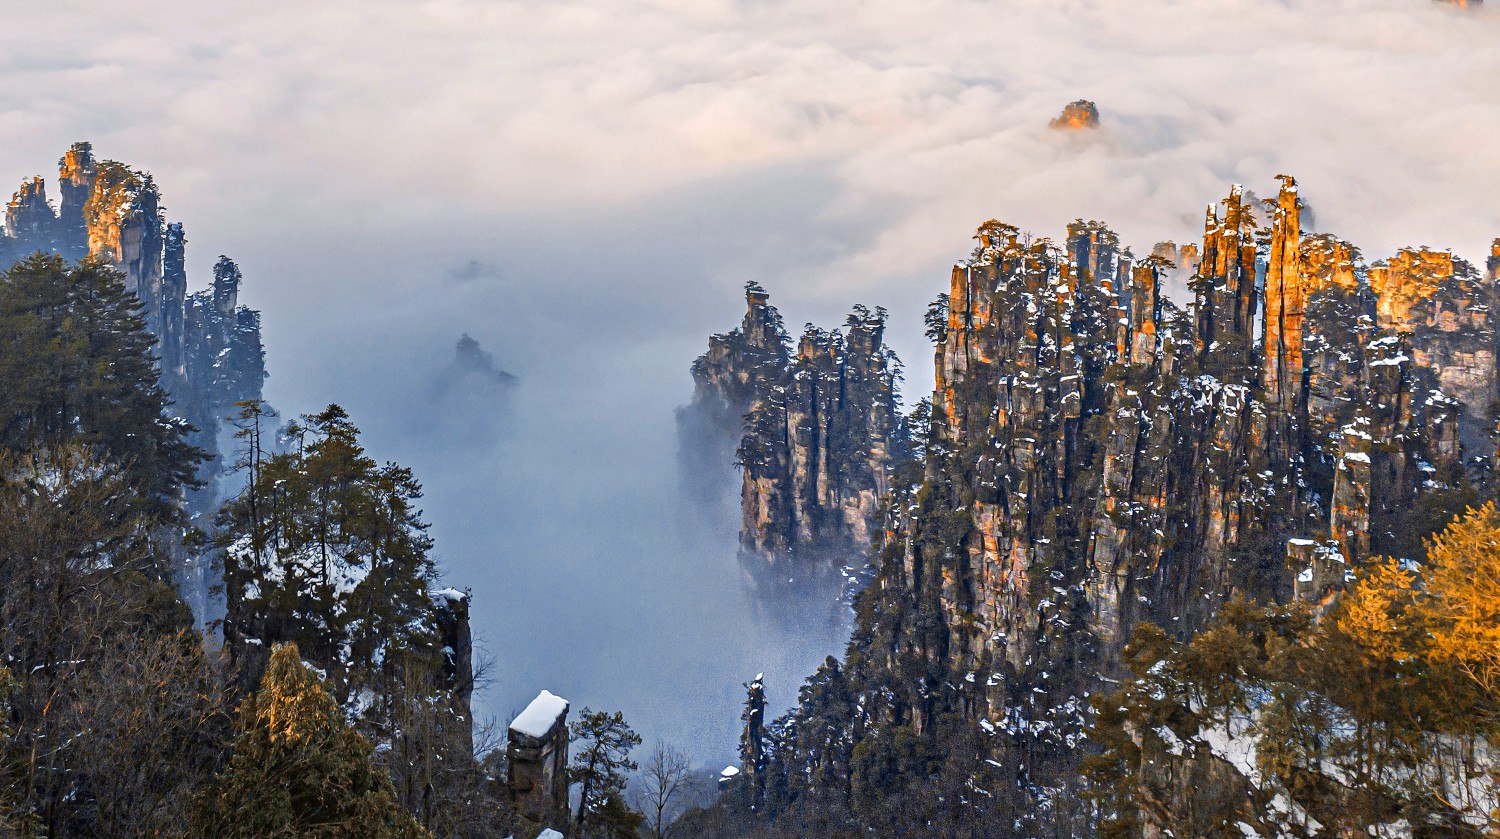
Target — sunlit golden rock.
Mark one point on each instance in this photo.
(28, 216)
(76, 176)
(1329, 261)
(1281, 327)
(1413, 274)
(1078, 115)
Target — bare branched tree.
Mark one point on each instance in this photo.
(666, 788)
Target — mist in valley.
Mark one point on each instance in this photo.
(548, 445)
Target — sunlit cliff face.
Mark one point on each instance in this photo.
(1407, 278)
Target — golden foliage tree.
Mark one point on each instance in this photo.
(1462, 606)
(1377, 613)
(299, 770)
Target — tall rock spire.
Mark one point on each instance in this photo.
(29, 219)
(227, 279)
(77, 173)
(1205, 312)
(1224, 286)
(1286, 301)
(1448, 313)
(174, 298)
(123, 219)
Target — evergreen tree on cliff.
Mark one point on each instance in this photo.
(299, 770)
(76, 366)
(603, 741)
(325, 548)
(114, 714)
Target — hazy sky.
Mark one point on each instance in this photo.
(584, 185)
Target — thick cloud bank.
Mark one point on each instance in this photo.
(583, 186)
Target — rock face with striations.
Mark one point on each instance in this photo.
(1098, 457)
(1446, 310)
(817, 431)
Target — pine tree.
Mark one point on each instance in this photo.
(326, 548)
(603, 741)
(76, 367)
(298, 770)
(1375, 612)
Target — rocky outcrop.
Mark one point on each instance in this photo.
(455, 678)
(1448, 313)
(29, 222)
(1151, 476)
(1178, 263)
(537, 762)
(122, 217)
(739, 368)
(1077, 115)
(1099, 457)
(818, 431)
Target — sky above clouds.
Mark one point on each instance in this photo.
(584, 185)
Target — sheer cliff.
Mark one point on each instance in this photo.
(1099, 458)
(815, 430)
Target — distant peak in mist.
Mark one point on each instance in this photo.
(470, 360)
(475, 270)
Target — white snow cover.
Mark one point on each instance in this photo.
(549, 833)
(540, 715)
(729, 772)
